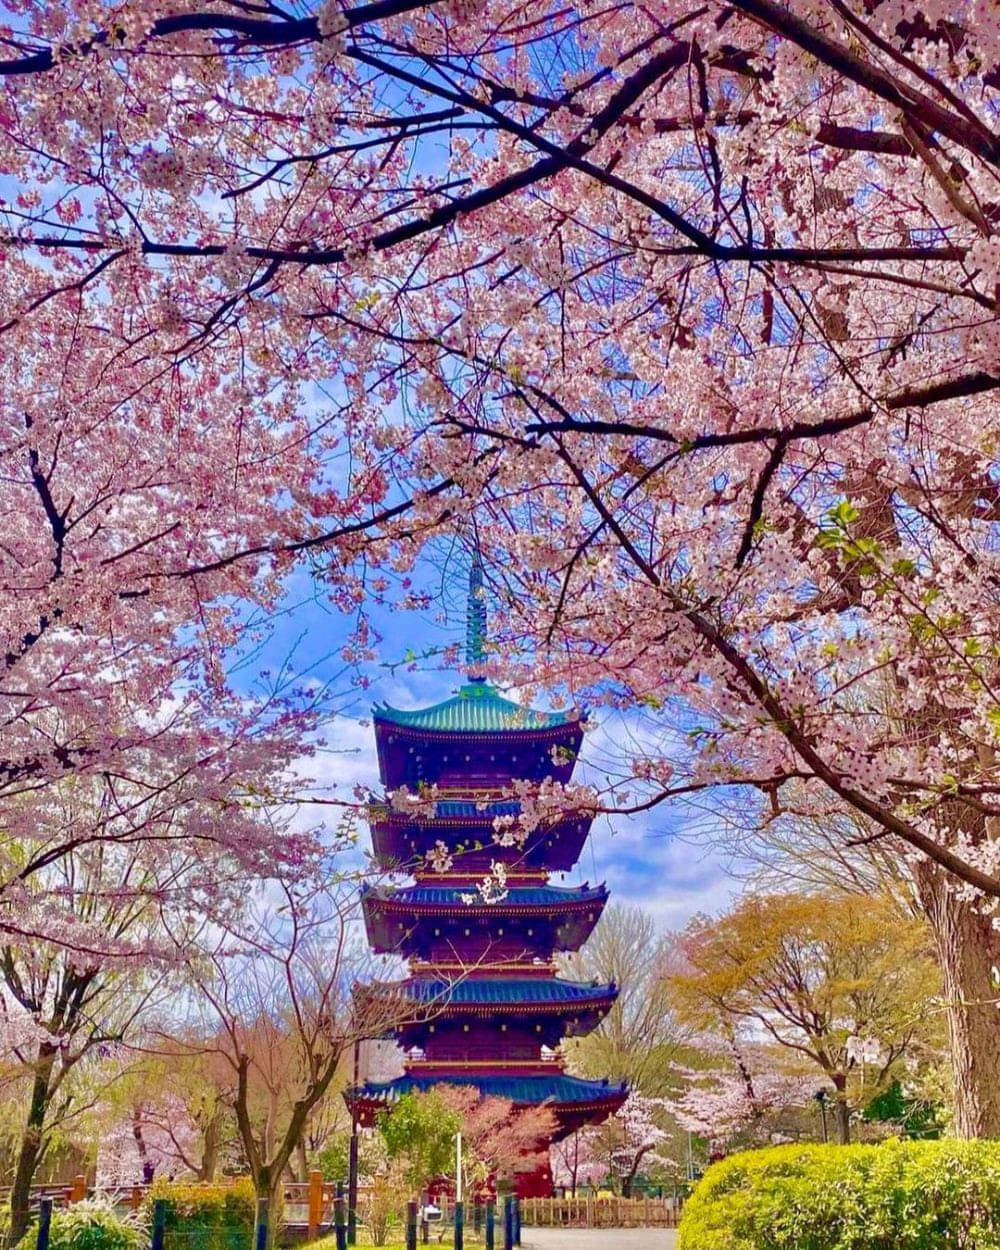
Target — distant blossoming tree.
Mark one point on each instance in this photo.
(150, 1140)
(734, 1100)
(577, 1159)
(639, 1137)
(501, 1140)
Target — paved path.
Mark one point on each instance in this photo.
(599, 1238)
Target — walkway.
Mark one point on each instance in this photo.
(599, 1238)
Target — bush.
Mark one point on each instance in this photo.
(912, 1195)
(333, 1159)
(95, 1225)
(380, 1208)
(206, 1217)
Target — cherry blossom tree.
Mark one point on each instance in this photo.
(635, 1135)
(735, 1097)
(499, 1140)
(578, 1160)
(150, 1139)
(682, 309)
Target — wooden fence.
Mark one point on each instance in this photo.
(590, 1212)
(307, 1206)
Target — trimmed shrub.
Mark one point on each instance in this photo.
(206, 1217)
(911, 1195)
(95, 1225)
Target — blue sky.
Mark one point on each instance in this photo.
(663, 860)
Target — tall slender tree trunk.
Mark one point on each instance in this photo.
(968, 949)
(841, 1108)
(32, 1143)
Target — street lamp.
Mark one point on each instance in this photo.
(821, 1099)
(352, 1159)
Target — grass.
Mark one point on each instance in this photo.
(396, 1242)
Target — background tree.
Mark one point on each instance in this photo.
(843, 982)
(738, 1095)
(419, 1133)
(149, 1140)
(85, 997)
(577, 1160)
(640, 1036)
(634, 1139)
(499, 1140)
(274, 1003)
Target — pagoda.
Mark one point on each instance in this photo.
(482, 1004)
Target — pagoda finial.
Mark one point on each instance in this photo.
(475, 618)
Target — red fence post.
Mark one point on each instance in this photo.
(315, 1202)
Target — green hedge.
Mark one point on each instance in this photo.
(912, 1195)
(206, 1217)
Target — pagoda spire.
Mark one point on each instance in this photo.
(475, 619)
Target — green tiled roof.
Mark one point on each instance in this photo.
(501, 991)
(477, 707)
(519, 1089)
(549, 896)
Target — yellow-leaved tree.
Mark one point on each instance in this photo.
(845, 983)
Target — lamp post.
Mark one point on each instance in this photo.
(459, 1208)
(352, 1161)
(821, 1099)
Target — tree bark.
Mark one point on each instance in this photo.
(968, 949)
(270, 1188)
(211, 1141)
(842, 1108)
(32, 1143)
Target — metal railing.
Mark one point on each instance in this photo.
(417, 1229)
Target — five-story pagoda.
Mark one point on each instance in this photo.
(481, 923)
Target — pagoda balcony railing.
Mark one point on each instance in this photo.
(515, 875)
(475, 794)
(551, 1063)
(485, 967)
(463, 794)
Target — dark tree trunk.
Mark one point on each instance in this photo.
(842, 1109)
(270, 1188)
(32, 1145)
(148, 1167)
